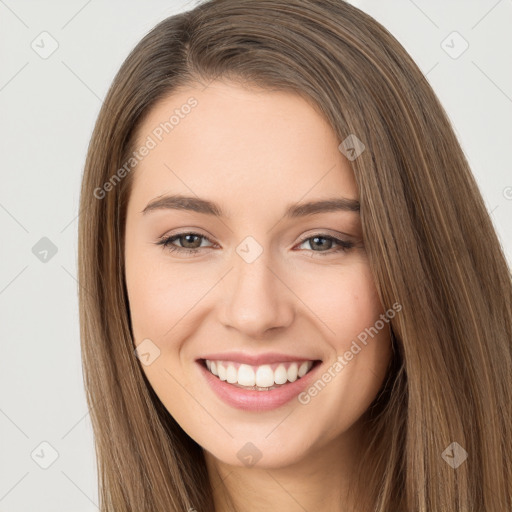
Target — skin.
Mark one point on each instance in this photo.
(254, 152)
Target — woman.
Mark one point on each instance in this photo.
(228, 366)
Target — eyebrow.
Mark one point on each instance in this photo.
(196, 204)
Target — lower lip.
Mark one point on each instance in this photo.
(251, 400)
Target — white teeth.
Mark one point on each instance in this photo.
(222, 371)
(264, 376)
(303, 369)
(280, 375)
(232, 374)
(246, 375)
(292, 372)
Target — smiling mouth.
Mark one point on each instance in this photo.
(264, 377)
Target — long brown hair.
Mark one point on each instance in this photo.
(429, 239)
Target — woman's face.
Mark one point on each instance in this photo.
(261, 288)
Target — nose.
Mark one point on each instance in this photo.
(256, 298)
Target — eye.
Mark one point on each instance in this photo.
(318, 241)
(191, 243)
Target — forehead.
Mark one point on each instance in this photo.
(237, 145)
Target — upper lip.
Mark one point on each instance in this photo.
(256, 359)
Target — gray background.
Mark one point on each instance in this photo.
(48, 107)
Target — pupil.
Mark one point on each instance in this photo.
(318, 238)
(187, 237)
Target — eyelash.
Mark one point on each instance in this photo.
(167, 244)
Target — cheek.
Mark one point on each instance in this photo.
(360, 347)
(346, 302)
(159, 298)
(362, 337)
(159, 294)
